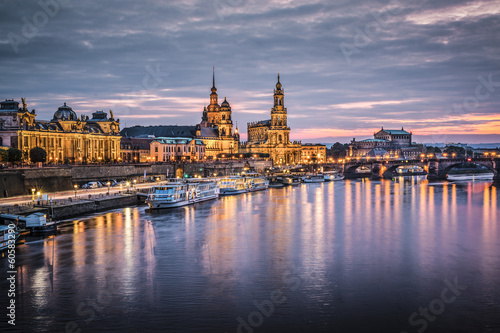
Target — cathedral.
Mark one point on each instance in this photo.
(272, 136)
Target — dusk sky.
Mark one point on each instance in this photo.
(347, 67)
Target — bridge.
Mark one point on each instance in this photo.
(437, 169)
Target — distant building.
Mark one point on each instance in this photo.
(386, 143)
(135, 150)
(176, 149)
(215, 129)
(314, 153)
(272, 136)
(65, 138)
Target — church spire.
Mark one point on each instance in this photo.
(213, 80)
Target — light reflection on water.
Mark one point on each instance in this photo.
(348, 256)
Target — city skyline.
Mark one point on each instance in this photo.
(430, 67)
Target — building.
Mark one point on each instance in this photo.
(176, 149)
(216, 129)
(65, 138)
(273, 136)
(386, 144)
(135, 150)
(313, 153)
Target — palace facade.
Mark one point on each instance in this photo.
(65, 138)
(272, 136)
(386, 143)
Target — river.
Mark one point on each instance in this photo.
(347, 256)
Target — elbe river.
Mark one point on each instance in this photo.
(347, 256)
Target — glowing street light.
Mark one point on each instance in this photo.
(33, 194)
(109, 184)
(76, 189)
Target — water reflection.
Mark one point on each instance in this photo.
(356, 255)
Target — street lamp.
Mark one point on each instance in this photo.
(76, 188)
(33, 194)
(109, 184)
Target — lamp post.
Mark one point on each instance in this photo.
(109, 184)
(33, 194)
(76, 189)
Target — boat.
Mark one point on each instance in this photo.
(291, 181)
(256, 182)
(233, 185)
(332, 176)
(8, 235)
(180, 193)
(35, 223)
(206, 191)
(313, 179)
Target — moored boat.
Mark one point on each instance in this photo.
(179, 193)
(332, 176)
(232, 185)
(313, 179)
(256, 182)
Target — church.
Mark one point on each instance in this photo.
(272, 136)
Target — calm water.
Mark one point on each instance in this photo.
(350, 256)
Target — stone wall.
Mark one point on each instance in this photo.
(15, 182)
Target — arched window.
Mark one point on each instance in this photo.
(223, 117)
(280, 138)
(156, 149)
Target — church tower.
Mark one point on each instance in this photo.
(213, 109)
(225, 124)
(279, 132)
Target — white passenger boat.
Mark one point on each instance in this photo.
(168, 196)
(6, 234)
(36, 223)
(179, 193)
(332, 176)
(313, 179)
(256, 182)
(232, 185)
(205, 191)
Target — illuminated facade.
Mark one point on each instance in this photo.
(386, 143)
(313, 153)
(273, 136)
(65, 138)
(176, 149)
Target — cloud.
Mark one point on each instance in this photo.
(426, 57)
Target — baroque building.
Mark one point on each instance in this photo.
(272, 136)
(65, 138)
(216, 130)
(386, 143)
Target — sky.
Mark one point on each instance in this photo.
(348, 67)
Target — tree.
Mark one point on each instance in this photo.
(14, 155)
(434, 150)
(459, 151)
(338, 150)
(38, 154)
(3, 155)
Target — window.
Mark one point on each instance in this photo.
(156, 149)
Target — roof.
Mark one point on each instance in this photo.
(377, 152)
(159, 131)
(176, 141)
(208, 132)
(375, 140)
(392, 132)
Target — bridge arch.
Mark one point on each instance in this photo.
(490, 165)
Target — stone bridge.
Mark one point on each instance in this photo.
(436, 168)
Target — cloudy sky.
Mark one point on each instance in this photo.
(348, 67)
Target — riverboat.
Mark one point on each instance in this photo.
(256, 182)
(233, 185)
(35, 223)
(332, 176)
(313, 179)
(178, 194)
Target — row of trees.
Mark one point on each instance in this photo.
(450, 150)
(14, 155)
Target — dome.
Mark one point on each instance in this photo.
(225, 103)
(65, 113)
